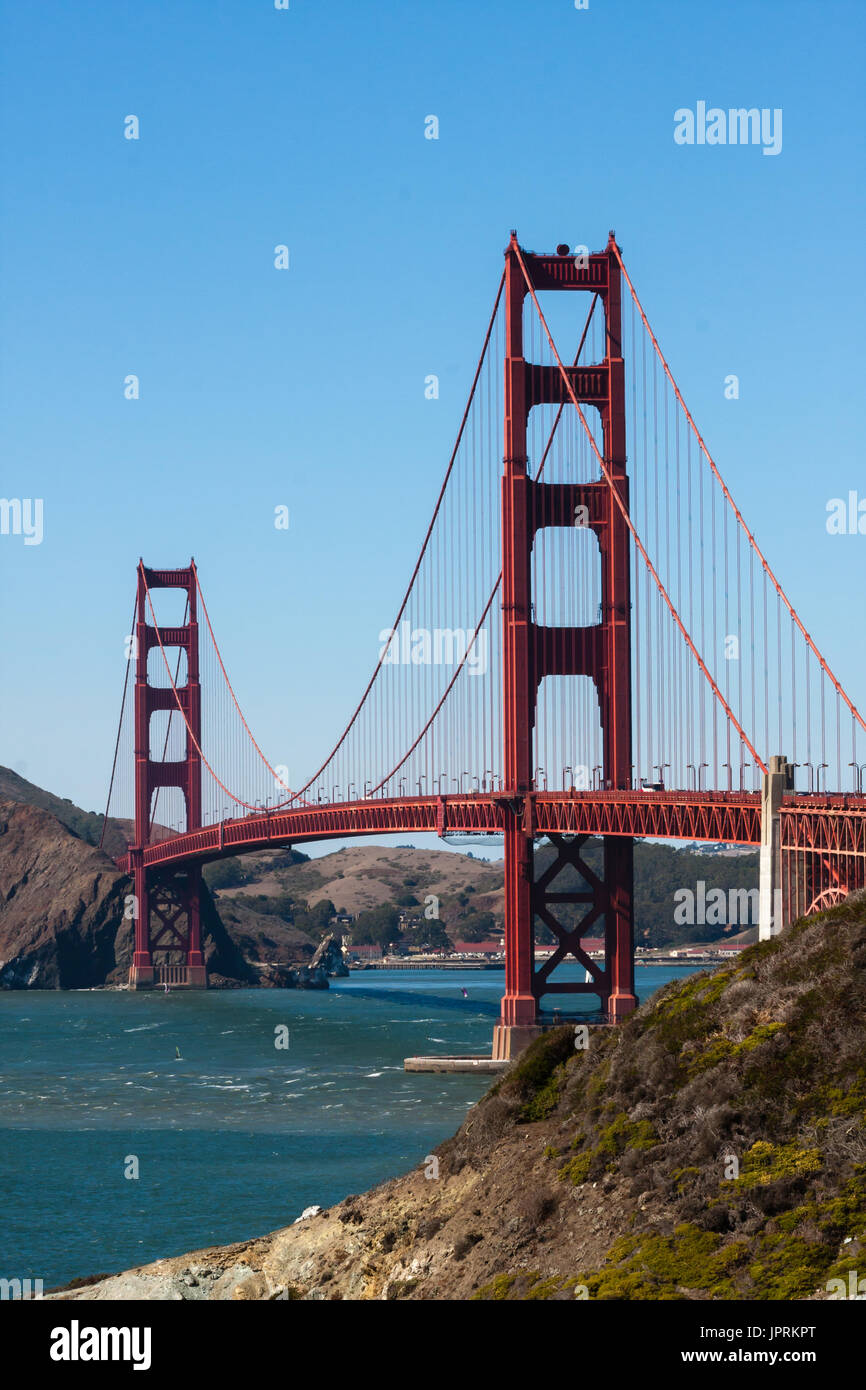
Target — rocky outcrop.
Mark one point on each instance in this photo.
(329, 957)
(711, 1147)
(327, 962)
(61, 904)
(62, 923)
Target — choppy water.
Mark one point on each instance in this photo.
(238, 1136)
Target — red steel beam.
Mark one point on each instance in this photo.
(718, 817)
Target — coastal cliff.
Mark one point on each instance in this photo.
(62, 923)
(61, 904)
(712, 1147)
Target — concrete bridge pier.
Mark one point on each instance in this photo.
(776, 782)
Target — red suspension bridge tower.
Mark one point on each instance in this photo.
(167, 900)
(601, 651)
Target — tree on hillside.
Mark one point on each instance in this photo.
(428, 936)
(475, 926)
(378, 926)
(315, 920)
(224, 873)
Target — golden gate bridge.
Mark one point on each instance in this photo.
(591, 643)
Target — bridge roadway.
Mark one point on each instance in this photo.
(726, 817)
(834, 823)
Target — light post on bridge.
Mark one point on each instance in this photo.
(818, 777)
(858, 773)
(540, 775)
(564, 771)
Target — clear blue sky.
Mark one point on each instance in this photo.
(306, 127)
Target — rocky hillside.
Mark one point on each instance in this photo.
(62, 923)
(713, 1147)
(61, 903)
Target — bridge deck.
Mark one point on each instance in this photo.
(717, 817)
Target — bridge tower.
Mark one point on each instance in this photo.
(601, 651)
(167, 901)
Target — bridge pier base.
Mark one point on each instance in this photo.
(168, 921)
(141, 977)
(776, 782)
(510, 1039)
(175, 976)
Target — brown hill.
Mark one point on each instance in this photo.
(366, 876)
(62, 923)
(87, 825)
(61, 904)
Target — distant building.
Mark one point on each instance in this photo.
(366, 952)
(711, 948)
(479, 948)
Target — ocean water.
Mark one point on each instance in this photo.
(237, 1136)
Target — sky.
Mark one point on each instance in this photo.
(304, 387)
